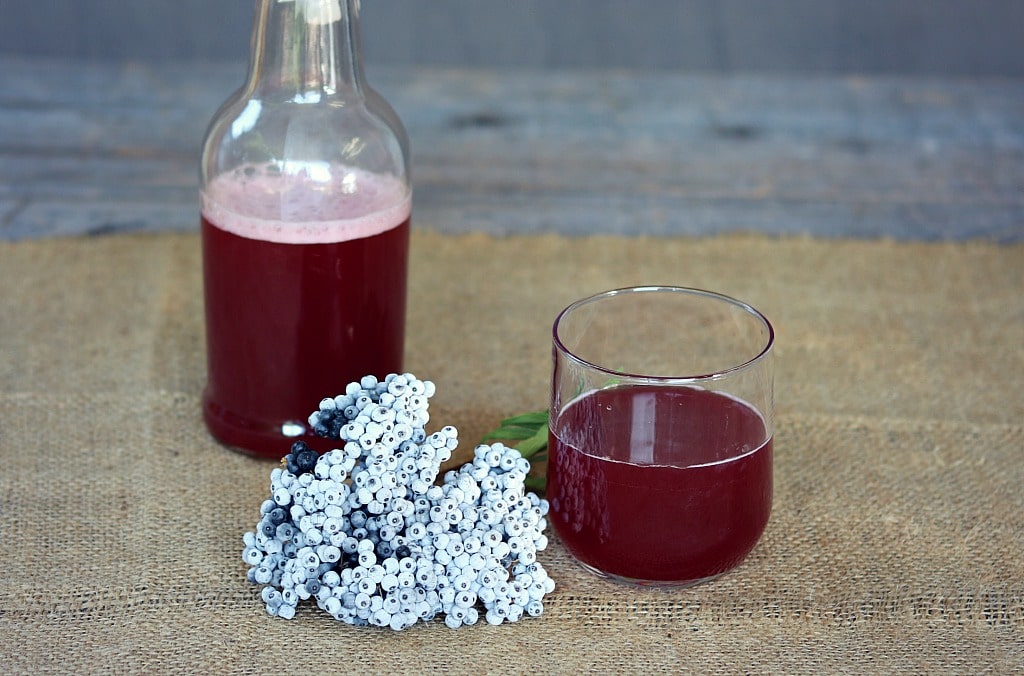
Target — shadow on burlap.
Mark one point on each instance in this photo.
(894, 545)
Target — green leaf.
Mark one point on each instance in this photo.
(536, 483)
(510, 433)
(531, 431)
(528, 419)
(538, 442)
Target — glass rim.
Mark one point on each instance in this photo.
(667, 379)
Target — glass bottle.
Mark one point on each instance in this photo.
(305, 199)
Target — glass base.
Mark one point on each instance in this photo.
(650, 584)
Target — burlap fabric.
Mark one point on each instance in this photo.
(896, 541)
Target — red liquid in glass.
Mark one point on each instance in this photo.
(289, 323)
(681, 493)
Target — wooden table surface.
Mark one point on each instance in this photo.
(93, 148)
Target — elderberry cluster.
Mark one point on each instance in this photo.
(366, 532)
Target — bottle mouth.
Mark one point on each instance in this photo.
(318, 12)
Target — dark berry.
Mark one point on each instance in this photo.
(322, 430)
(403, 552)
(306, 460)
(298, 447)
(269, 529)
(313, 585)
(278, 515)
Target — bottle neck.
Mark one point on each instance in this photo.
(303, 50)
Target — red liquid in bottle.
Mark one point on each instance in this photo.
(682, 490)
(304, 293)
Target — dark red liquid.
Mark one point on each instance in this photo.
(664, 502)
(290, 324)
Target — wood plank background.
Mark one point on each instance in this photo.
(947, 37)
(99, 148)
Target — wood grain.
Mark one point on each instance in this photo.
(99, 148)
(910, 37)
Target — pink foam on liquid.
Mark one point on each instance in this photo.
(340, 204)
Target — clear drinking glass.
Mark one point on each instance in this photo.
(661, 422)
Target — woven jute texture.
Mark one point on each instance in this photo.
(896, 543)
